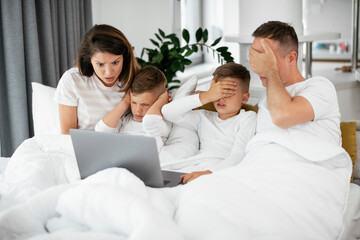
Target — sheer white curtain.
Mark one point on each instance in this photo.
(38, 41)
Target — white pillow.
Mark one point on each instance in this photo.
(181, 143)
(186, 88)
(45, 110)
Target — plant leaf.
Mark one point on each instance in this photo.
(158, 58)
(158, 37)
(155, 42)
(216, 42)
(175, 54)
(229, 59)
(184, 48)
(164, 48)
(175, 66)
(186, 35)
(176, 81)
(186, 61)
(205, 35)
(173, 87)
(141, 62)
(222, 49)
(181, 67)
(142, 52)
(198, 34)
(161, 33)
(176, 41)
(194, 48)
(170, 36)
(226, 54)
(188, 52)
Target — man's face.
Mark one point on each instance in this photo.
(141, 102)
(280, 61)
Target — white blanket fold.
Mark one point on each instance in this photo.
(289, 186)
(113, 201)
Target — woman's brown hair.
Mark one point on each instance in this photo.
(107, 39)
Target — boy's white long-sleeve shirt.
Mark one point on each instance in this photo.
(222, 142)
(152, 125)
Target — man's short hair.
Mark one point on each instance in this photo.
(281, 32)
(234, 70)
(147, 79)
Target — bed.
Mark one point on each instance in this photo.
(55, 205)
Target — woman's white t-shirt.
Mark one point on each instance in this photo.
(91, 97)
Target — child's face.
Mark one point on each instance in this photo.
(141, 102)
(230, 106)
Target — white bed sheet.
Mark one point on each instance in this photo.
(3, 163)
(351, 229)
(4, 202)
(45, 151)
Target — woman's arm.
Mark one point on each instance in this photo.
(112, 118)
(68, 118)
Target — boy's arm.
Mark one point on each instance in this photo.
(245, 133)
(156, 126)
(153, 122)
(180, 111)
(163, 99)
(102, 127)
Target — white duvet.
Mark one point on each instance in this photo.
(274, 193)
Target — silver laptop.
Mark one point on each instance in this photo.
(95, 151)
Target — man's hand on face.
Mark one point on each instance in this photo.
(263, 63)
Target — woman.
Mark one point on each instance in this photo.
(105, 68)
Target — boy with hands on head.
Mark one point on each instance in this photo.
(145, 99)
(223, 134)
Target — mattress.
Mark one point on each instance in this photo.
(352, 215)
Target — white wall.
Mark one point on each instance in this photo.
(328, 16)
(137, 19)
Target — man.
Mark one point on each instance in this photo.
(295, 177)
(291, 101)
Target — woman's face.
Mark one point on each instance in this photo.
(107, 67)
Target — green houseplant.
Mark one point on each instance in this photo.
(169, 56)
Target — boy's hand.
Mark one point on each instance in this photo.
(164, 98)
(191, 176)
(218, 90)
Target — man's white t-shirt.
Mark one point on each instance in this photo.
(91, 97)
(321, 94)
